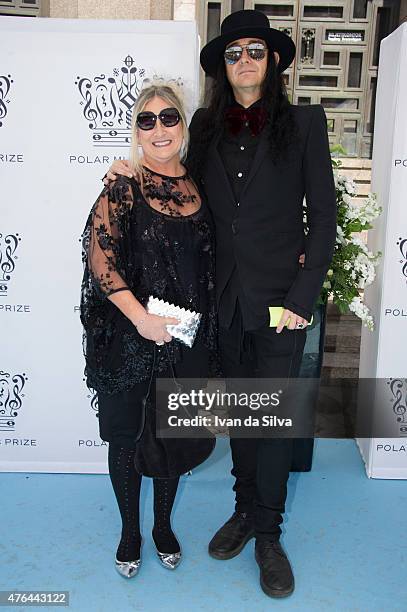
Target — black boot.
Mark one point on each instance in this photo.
(276, 576)
(232, 537)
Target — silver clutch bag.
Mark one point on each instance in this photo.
(187, 329)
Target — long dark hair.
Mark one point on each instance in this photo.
(283, 128)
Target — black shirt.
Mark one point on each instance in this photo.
(237, 153)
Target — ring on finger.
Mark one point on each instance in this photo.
(160, 342)
(300, 326)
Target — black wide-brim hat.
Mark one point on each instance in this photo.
(245, 24)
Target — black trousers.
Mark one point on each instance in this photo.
(261, 467)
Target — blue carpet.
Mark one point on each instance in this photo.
(345, 536)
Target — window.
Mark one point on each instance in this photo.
(331, 58)
(213, 29)
(350, 126)
(340, 104)
(318, 81)
(276, 10)
(355, 69)
(330, 125)
(359, 9)
(332, 12)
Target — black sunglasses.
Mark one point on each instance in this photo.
(169, 117)
(256, 51)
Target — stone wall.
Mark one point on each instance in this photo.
(108, 9)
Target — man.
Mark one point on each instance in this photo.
(257, 157)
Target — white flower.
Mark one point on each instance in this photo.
(361, 311)
(340, 236)
(338, 180)
(352, 211)
(370, 209)
(350, 186)
(359, 242)
(365, 269)
(357, 264)
(343, 183)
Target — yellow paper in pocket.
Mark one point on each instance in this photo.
(276, 313)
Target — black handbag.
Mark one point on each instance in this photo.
(158, 457)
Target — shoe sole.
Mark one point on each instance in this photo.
(270, 592)
(236, 551)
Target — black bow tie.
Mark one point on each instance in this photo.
(236, 117)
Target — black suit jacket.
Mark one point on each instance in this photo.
(262, 234)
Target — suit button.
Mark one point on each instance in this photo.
(235, 228)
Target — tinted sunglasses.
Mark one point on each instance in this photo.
(169, 117)
(256, 51)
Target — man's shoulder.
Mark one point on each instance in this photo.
(199, 115)
(200, 112)
(306, 110)
(308, 115)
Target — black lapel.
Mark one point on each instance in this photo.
(261, 151)
(220, 168)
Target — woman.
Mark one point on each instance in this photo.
(147, 236)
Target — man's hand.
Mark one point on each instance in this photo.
(288, 314)
(119, 166)
(294, 321)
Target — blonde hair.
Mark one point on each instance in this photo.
(167, 93)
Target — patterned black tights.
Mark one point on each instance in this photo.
(165, 490)
(126, 485)
(126, 482)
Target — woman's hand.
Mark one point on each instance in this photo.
(119, 166)
(296, 322)
(153, 327)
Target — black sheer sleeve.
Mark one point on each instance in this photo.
(104, 246)
(107, 226)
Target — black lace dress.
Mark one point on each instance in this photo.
(137, 237)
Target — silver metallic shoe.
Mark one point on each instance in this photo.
(128, 569)
(169, 560)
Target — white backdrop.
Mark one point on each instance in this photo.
(66, 91)
(383, 353)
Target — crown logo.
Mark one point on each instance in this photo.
(11, 394)
(108, 103)
(8, 247)
(5, 84)
(402, 244)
